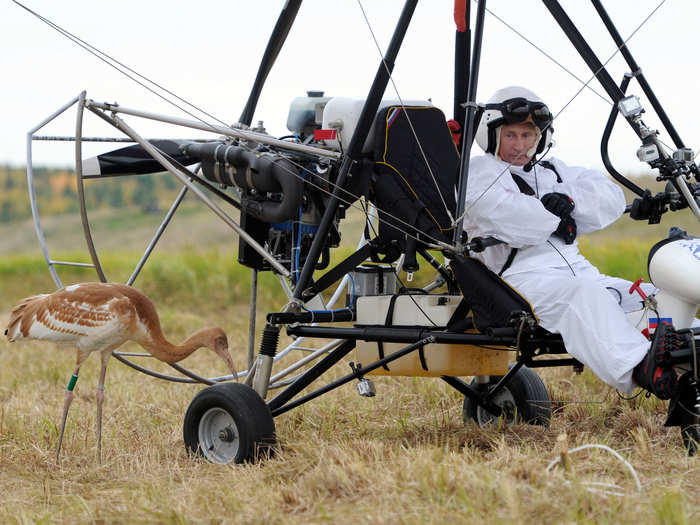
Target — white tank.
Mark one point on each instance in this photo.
(342, 114)
(431, 312)
(675, 270)
(303, 111)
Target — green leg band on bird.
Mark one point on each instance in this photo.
(72, 382)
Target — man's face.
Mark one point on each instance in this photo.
(516, 141)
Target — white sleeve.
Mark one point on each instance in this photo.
(498, 208)
(598, 200)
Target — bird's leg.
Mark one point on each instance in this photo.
(100, 397)
(67, 400)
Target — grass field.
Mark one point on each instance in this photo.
(404, 456)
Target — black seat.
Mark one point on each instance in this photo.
(416, 165)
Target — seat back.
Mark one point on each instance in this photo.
(415, 176)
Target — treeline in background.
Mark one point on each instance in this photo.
(57, 194)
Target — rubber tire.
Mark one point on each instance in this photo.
(691, 437)
(251, 416)
(532, 402)
(690, 431)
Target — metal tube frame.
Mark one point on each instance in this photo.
(282, 403)
(214, 128)
(637, 72)
(468, 125)
(369, 110)
(166, 220)
(32, 194)
(170, 167)
(51, 263)
(615, 92)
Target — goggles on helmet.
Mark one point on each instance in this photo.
(518, 109)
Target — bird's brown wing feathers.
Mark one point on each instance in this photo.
(26, 306)
(75, 311)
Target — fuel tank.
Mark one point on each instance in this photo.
(674, 268)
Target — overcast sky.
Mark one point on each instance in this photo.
(208, 52)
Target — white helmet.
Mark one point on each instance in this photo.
(510, 105)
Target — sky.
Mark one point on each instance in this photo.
(208, 52)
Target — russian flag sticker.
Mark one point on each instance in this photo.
(654, 321)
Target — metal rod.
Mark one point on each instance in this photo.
(605, 139)
(317, 353)
(637, 72)
(468, 126)
(503, 380)
(214, 128)
(32, 194)
(157, 155)
(251, 324)
(462, 59)
(548, 363)
(157, 235)
(364, 123)
(66, 138)
(57, 138)
(119, 357)
(81, 192)
(311, 375)
(467, 390)
(398, 334)
(69, 263)
(356, 374)
(689, 197)
(587, 54)
(192, 375)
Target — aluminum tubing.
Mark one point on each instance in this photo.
(263, 370)
(213, 128)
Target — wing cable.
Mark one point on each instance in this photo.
(413, 131)
(97, 53)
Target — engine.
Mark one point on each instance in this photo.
(283, 194)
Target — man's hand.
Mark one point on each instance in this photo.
(560, 204)
(566, 230)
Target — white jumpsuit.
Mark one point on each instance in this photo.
(568, 294)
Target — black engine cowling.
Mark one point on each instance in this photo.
(257, 174)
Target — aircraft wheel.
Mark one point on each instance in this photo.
(524, 398)
(229, 422)
(690, 432)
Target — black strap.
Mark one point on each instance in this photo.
(389, 321)
(509, 260)
(523, 186)
(550, 166)
(459, 322)
(346, 265)
(526, 189)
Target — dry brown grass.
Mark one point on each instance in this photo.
(401, 457)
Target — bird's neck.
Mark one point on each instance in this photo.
(167, 352)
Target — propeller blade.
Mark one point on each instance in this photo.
(134, 160)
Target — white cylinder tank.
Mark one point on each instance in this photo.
(674, 268)
(343, 113)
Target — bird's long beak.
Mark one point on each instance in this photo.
(229, 362)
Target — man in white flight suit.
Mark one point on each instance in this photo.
(537, 209)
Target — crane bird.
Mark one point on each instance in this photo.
(100, 317)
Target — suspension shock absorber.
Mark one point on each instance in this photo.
(263, 365)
